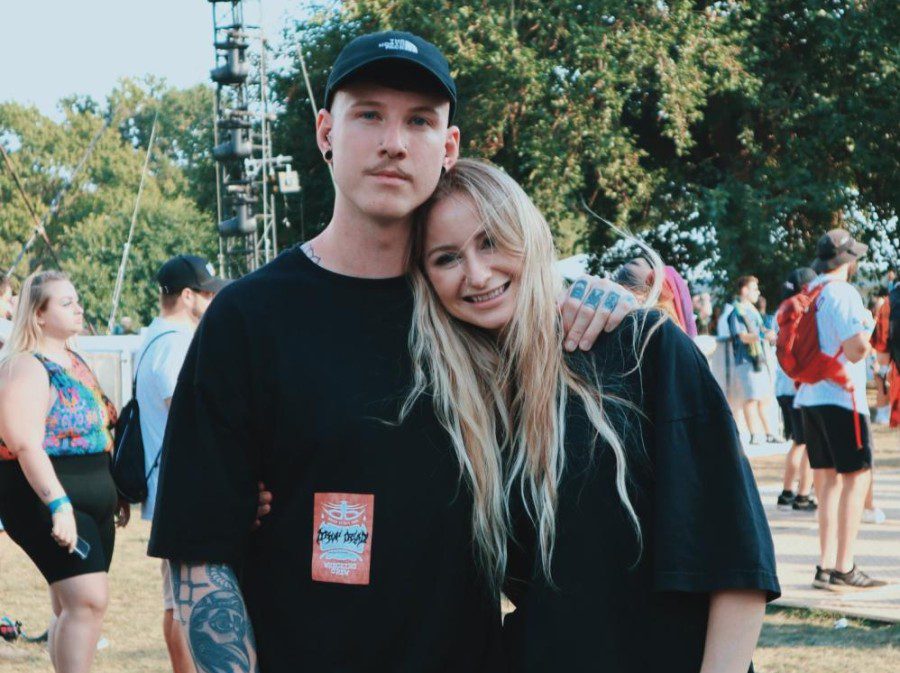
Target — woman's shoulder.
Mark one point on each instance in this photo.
(23, 368)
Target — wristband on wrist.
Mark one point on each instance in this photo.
(59, 502)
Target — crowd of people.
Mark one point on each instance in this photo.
(413, 363)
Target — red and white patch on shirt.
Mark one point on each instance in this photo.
(342, 537)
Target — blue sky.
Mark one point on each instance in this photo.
(54, 48)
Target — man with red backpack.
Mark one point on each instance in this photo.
(823, 342)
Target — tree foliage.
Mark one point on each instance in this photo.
(764, 121)
(92, 225)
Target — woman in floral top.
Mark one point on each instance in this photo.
(56, 491)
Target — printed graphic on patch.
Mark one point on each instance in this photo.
(342, 537)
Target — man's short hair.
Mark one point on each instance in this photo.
(744, 281)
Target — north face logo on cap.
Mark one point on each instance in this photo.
(398, 44)
(210, 269)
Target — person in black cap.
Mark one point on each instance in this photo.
(295, 377)
(841, 460)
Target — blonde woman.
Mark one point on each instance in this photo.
(57, 498)
(637, 541)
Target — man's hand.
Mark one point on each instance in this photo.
(263, 505)
(593, 305)
(123, 513)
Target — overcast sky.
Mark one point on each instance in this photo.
(54, 48)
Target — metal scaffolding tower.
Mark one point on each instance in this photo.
(246, 171)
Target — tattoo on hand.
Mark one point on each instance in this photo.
(611, 301)
(311, 253)
(578, 289)
(594, 297)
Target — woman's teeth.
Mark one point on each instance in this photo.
(487, 296)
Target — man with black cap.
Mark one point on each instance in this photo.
(187, 284)
(840, 458)
(296, 377)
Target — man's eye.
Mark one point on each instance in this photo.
(369, 115)
(488, 243)
(419, 121)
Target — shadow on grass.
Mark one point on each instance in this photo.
(787, 627)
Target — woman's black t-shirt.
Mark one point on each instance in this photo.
(621, 605)
(365, 562)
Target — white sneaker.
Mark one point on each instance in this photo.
(882, 416)
(873, 516)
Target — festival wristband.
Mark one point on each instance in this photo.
(59, 502)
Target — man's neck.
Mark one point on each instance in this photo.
(840, 273)
(179, 317)
(356, 245)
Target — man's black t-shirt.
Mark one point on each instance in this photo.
(295, 377)
(620, 605)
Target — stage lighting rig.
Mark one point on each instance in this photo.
(246, 172)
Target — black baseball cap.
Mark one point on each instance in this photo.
(189, 271)
(835, 248)
(391, 47)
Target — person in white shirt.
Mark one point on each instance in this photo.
(187, 286)
(841, 462)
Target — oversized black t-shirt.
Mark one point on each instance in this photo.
(619, 605)
(295, 377)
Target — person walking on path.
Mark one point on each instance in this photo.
(57, 497)
(375, 555)
(796, 464)
(747, 332)
(187, 284)
(835, 420)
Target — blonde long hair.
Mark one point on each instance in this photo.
(503, 400)
(26, 333)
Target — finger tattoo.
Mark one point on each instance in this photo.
(578, 289)
(611, 300)
(594, 297)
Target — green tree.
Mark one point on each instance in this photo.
(756, 123)
(91, 227)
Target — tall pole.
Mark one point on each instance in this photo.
(120, 277)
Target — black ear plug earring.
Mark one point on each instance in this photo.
(328, 154)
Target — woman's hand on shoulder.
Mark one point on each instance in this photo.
(591, 306)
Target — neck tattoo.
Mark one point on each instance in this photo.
(311, 253)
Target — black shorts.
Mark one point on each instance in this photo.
(793, 419)
(89, 485)
(831, 439)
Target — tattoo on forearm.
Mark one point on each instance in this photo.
(219, 632)
(311, 253)
(594, 297)
(578, 289)
(611, 300)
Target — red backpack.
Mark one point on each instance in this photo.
(798, 350)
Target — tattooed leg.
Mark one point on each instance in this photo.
(209, 605)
